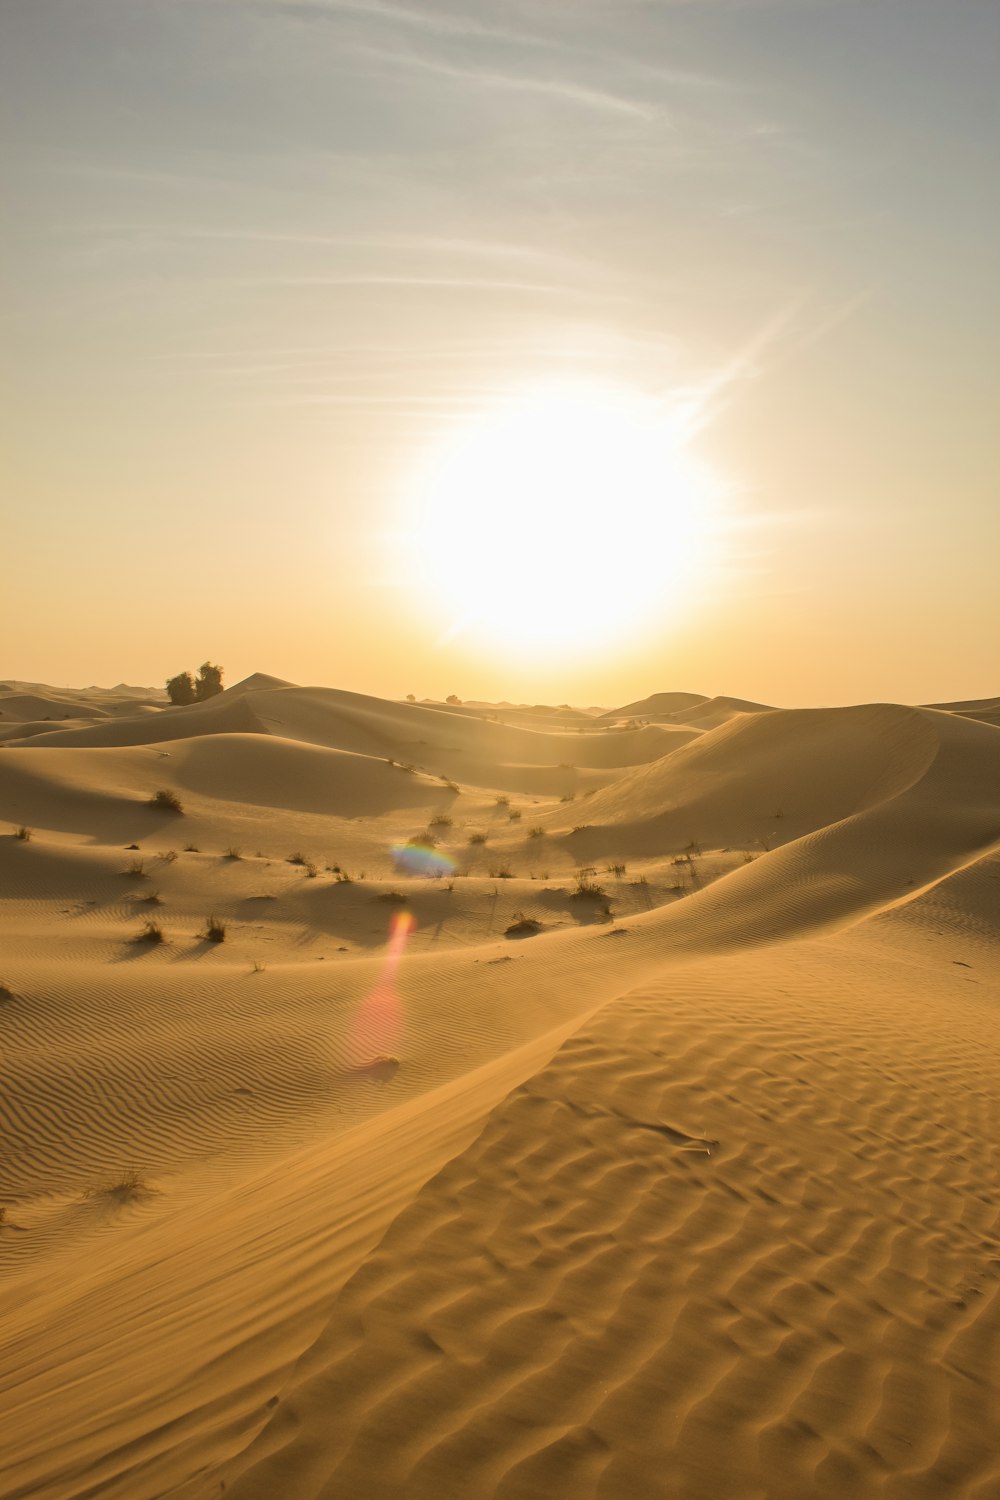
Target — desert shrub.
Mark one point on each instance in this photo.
(395, 898)
(514, 814)
(191, 849)
(452, 786)
(125, 1187)
(258, 967)
(151, 932)
(166, 856)
(568, 797)
(23, 833)
(522, 926)
(503, 801)
(537, 832)
(296, 859)
(166, 801)
(233, 853)
(215, 930)
(617, 870)
(477, 838)
(136, 869)
(587, 888)
(453, 699)
(502, 872)
(441, 820)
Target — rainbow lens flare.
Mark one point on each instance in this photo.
(422, 859)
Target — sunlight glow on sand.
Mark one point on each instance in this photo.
(522, 528)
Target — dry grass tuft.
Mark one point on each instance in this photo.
(166, 801)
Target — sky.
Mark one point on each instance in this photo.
(276, 273)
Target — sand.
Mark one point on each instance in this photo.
(688, 1187)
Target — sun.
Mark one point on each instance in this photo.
(567, 514)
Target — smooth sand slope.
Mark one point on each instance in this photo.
(646, 1149)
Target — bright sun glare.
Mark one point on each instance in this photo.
(566, 515)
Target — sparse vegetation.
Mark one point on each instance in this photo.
(514, 814)
(258, 967)
(537, 832)
(502, 872)
(503, 801)
(136, 869)
(477, 838)
(232, 852)
(126, 1187)
(153, 899)
(587, 888)
(151, 932)
(568, 797)
(296, 859)
(522, 926)
(191, 849)
(166, 801)
(343, 878)
(23, 833)
(215, 930)
(395, 898)
(167, 856)
(441, 820)
(616, 870)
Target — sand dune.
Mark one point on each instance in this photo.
(686, 1187)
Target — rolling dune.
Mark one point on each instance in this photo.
(686, 1186)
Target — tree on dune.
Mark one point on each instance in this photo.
(187, 689)
(208, 683)
(180, 689)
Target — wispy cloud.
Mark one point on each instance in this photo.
(442, 23)
(404, 243)
(554, 88)
(446, 283)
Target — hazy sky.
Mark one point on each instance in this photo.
(260, 254)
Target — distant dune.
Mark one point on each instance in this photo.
(498, 1101)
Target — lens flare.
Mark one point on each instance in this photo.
(422, 859)
(378, 1019)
